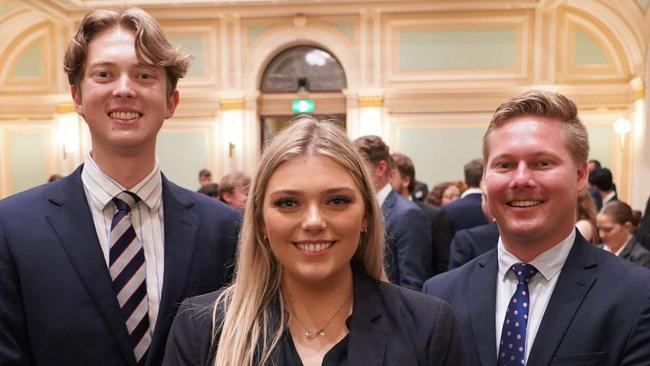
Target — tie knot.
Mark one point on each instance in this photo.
(523, 271)
(125, 201)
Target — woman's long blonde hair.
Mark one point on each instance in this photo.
(250, 329)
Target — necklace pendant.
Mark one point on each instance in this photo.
(309, 334)
(321, 332)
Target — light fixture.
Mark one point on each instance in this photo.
(622, 127)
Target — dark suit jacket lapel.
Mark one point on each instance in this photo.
(388, 204)
(576, 278)
(180, 238)
(367, 337)
(71, 220)
(482, 292)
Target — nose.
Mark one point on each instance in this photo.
(522, 177)
(313, 220)
(124, 87)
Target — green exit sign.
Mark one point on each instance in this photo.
(302, 106)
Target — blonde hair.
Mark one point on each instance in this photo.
(254, 311)
(545, 104)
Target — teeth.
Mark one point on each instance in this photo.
(314, 247)
(126, 116)
(525, 203)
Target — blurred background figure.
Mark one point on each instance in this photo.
(601, 181)
(233, 189)
(205, 177)
(420, 191)
(616, 223)
(586, 217)
(445, 192)
(210, 190)
(466, 212)
(643, 233)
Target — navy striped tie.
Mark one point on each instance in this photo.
(128, 272)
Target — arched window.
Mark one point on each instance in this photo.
(303, 66)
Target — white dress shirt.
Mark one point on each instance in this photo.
(549, 265)
(469, 191)
(146, 217)
(383, 193)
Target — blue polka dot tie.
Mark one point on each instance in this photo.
(512, 347)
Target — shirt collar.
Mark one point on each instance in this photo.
(103, 188)
(619, 251)
(548, 264)
(383, 193)
(471, 191)
(609, 197)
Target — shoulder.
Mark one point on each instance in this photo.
(198, 312)
(455, 280)
(200, 202)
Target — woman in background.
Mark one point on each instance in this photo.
(586, 223)
(616, 223)
(445, 192)
(309, 285)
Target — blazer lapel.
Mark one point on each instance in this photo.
(482, 287)
(368, 337)
(180, 238)
(576, 278)
(71, 220)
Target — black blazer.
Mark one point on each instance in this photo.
(464, 213)
(389, 326)
(643, 235)
(57, 304)
(408, 242)
(636, 253)
(598, 314)
(470, 243)
(440, 237)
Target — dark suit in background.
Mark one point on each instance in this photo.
(643, 235)
(598, 314)
(464, 213)
(388, 326)
(440, 237)
(408, 242)
(635, 253)
(470, 243)
(57, 303)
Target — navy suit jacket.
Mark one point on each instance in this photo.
(598, 314)
(389, 326)
(408, 242)
(57, 304)
(470, 243)
(464, 213)
(440, 238)
(643, 235)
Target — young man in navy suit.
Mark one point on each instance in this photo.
(94, 265)
(466, 212)
(544, 296)
(408, 235)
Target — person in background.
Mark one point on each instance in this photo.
(54, 177)
(233, 189)
(402, 180)
(420, 191)
(586, 217)
(205, 177)
(616, 223)
(310, 287)
(643, 233)
(408, 236)
(210, 190)
(444, 193)
(466, 212)
(94, 265)
(602, 183)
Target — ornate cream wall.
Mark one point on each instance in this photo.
(426, 75)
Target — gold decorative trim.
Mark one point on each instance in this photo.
(64, 108)
(230, 104)
(371, 102)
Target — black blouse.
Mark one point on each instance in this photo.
(336, 356)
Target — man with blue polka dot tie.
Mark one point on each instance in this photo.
(544, 296)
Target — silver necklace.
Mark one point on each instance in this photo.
(322, 331)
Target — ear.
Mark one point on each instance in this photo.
(381, 168)
(227, 196)
(76, 99)
(172, 102)
(406, 181)
(582, 175)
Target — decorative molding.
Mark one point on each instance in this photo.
(232, 104)
(374, 101)
(64, 108)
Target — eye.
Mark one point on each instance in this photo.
(504, 165)
(543, 164)
(287, 202)
(339, 200)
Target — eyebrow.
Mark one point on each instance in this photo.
(295, 191)
(108, 63)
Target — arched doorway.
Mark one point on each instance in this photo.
(300, 73)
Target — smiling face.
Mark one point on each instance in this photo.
(123, 101)
(532, 183)
(313, 217)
